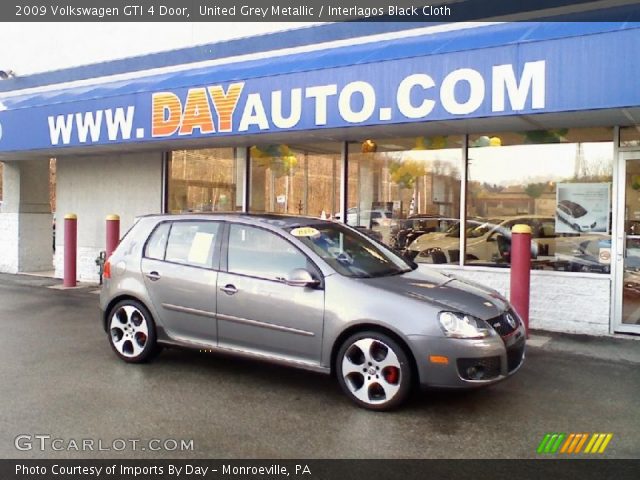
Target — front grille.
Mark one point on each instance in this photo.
(514, 355)
(501, 323)
(479, 368)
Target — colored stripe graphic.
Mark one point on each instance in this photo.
(598, 443)
(571, 439)
(551, 442)
(543, 443)
(572, 443)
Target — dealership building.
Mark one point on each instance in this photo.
(434, 138)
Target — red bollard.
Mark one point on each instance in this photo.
(113, 233)
(70, 249)
(521, 271)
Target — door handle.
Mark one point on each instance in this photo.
(229, 289)
(153, 276)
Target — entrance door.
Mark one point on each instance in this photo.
(627, 306)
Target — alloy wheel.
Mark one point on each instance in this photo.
(372, 371)
(129, 330)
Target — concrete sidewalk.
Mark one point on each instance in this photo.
(616, 348)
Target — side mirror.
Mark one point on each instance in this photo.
(301, 277)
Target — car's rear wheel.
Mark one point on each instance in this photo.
(132, 332)
(374, 371)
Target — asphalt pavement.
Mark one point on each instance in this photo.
(59, 380)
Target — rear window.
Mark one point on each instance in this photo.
(187, 242)
(157, 242)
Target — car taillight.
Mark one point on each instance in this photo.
(106, 273)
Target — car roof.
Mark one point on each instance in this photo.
(272, 219)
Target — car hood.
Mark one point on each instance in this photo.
(443, 242)
(429, 237)
(444, 291)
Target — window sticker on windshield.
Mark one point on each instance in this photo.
(305, 232)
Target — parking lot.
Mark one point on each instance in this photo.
(59, 377)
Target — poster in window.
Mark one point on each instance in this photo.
(583, 207)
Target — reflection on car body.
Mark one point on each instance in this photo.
(309, 293)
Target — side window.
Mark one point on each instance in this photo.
(157, 242)
(192, 243)
(260, 253)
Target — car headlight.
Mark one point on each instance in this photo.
(459, 325)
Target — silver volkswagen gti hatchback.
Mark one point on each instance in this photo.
(309, 293)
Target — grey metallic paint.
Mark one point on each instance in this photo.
(406, 305)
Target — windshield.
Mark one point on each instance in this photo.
(350, 253)
(483, 228)
(453, 230)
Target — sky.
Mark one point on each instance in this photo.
(29, 48)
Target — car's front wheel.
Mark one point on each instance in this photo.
(132, 333)
(374, 371)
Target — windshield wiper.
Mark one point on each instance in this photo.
(361, 275)
(388, 273)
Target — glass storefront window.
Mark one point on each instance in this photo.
(296, 179)
(556, 181)
(630, 136)
(405, 192)
(205, 180)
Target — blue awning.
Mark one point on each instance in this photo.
(579, 66)
(434, 44)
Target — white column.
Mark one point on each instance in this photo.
(26, 242)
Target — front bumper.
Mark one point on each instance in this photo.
(471, 363)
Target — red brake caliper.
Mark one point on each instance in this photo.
(391, 375)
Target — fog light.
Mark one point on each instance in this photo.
(475, 373)
(439, 359)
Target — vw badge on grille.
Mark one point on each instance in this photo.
(511, 320)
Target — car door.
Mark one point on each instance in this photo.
(180, 272)
(257, 311)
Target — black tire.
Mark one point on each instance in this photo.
(125, 332)
(438, 256)
(397, 379)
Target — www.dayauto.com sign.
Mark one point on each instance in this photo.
(253, 98)
(235, 108)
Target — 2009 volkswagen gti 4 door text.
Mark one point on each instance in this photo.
(310, 293)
